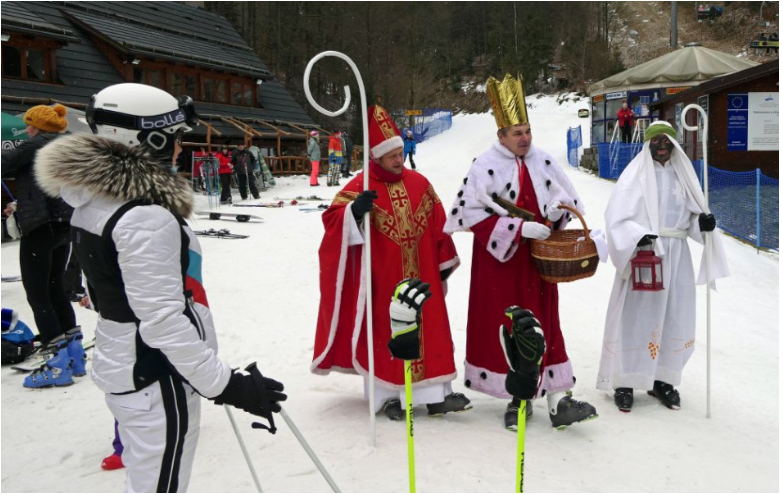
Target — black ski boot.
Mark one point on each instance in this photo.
(568, 411)
(666, 393)
(454, 402)
(511, 418)
(393, 410)
(623, 397)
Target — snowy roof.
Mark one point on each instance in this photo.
(687, 66)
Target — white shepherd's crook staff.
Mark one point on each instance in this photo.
(367, 262)
(705, 171)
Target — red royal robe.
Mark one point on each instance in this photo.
(407, 240)
(494, 287)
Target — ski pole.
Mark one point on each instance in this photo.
(521, 419)
(244, 449)
(309, 451)
(409, 421)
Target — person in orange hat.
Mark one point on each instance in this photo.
(44, 249)
(407, 240)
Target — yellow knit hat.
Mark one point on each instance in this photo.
(47, 119)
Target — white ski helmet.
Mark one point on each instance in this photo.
(141, 115)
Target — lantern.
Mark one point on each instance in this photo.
(647, 271)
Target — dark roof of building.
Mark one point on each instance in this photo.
(170, 31)
(17, 18)
(126, 29)
(721, 83)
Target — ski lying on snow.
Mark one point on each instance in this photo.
(220, 234)
(239, 217)
(13, 278)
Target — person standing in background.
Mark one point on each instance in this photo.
(348, 155)
(625, 118)
(410, 148)
(314, 155)
(335, 159)
(44, 249)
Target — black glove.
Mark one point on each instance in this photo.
(405, 313)
(254, 394)
(363, 203)
(524, 347)
(646, 240)
(707, 222)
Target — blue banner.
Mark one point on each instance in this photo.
(738, 122)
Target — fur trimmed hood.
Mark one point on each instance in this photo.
(108, 168)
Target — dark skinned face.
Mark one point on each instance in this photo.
(661, 148)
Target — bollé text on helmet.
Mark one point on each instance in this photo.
(161, 121)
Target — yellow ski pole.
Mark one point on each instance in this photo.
(409, 421)
(521, 418)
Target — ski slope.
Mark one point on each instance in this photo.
(264, 295)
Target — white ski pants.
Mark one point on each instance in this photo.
(159, 428)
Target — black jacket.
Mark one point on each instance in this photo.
(33, 207)
(243, 162)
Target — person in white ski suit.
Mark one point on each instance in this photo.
(156, 348)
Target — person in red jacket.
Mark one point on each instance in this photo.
(225, 171)
(625, 121)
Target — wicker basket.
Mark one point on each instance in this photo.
(563, 258)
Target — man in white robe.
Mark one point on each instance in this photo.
(649, 335)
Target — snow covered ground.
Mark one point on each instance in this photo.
(264, 294)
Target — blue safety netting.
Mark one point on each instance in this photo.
(430, 123)
(614, 157)
(746, 204)
(573, 142)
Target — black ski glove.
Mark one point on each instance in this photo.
(707, 222)
(254, 394)
(405, 313)
(363, 203)
(646, 240)
(524, 347)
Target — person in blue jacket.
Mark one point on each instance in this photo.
(410, 148)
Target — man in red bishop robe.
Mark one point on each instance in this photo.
(407, 241)
(503, 272)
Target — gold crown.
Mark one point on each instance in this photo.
(508, 101)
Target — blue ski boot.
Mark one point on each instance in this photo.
(57, 371)
(76, 350)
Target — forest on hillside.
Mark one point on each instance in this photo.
(418, 54)
(432, 54)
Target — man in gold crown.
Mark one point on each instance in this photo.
(407, 241)
(503, 272)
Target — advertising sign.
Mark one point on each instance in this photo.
(738, 122)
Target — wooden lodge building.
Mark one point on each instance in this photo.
(64, 52)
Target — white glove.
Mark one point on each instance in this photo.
(535, 230)
(554, 212)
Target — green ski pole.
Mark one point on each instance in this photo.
(409, 421)
(521, 418)
(405, 314)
